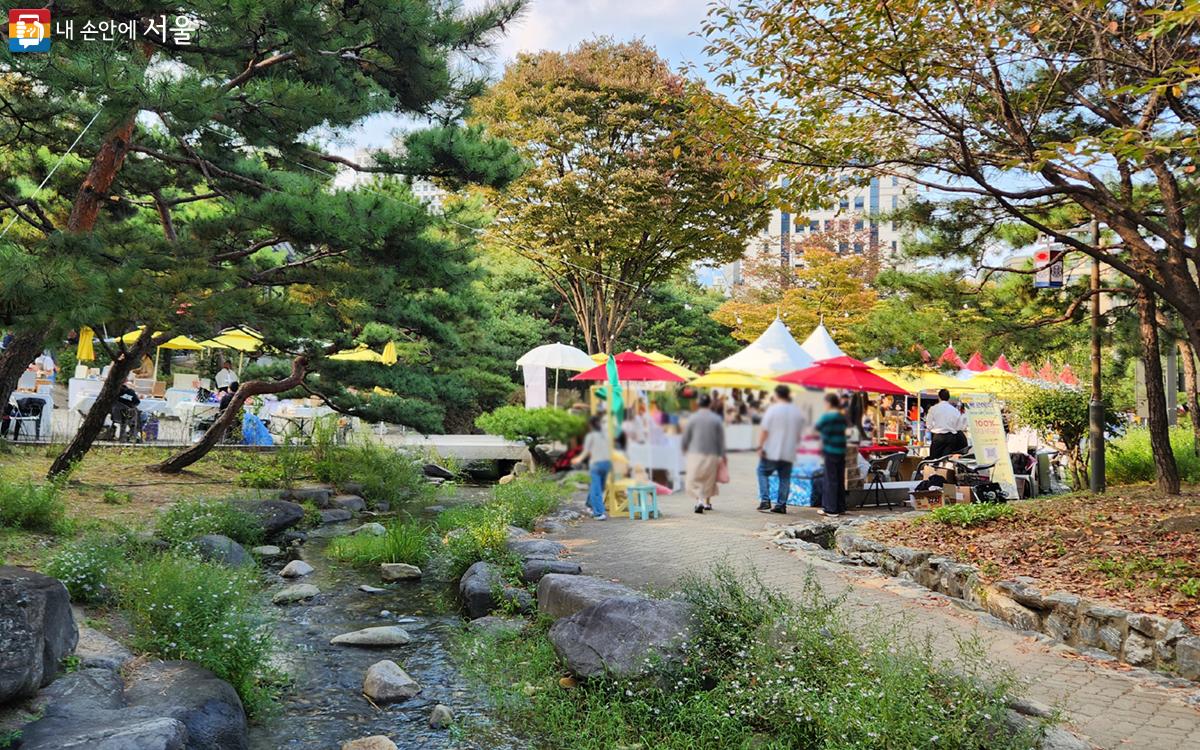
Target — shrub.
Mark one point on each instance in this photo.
(762, 671)
(89, 567)
(1128, 459)
(188, 519)
(1062, 413)
(478, 533)
(387, 475)
(113, 496)
(529, 498)
(182, 608)
(33, 507)
(968, 515)
(532, 426)
(404, 542)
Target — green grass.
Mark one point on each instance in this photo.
(762, 672)
(1163, 574)
(968, 515)
(1128, 460)
(188, 519)
(90, 566)
(33, 507)
(405, 542)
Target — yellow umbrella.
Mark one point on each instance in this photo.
(996, 381)
(179, 342)
(361, 353)
(239, 339)
(920, 379)
(731, 379)
(382, 391)
(85, 352)
(389, 357)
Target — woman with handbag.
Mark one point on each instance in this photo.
(704, 445)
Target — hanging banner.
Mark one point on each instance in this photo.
(535, 386)
(990, 444)
(1049, 265)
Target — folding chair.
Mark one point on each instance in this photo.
(881, 471)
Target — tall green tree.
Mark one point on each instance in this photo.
(617, 197)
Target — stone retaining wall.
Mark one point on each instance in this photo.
(1140, 640)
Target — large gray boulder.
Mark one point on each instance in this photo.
(165, 706)
(221, 549)
(274, 516)
(560, 595)
(319, 496)
(622, 636)
(542, 549)
(37, 630)
(534, 570)
(483, 589)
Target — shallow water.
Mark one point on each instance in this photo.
(324, 705)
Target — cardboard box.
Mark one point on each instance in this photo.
(963, 495)
(926, 499)
(949, 493)
(944, 472)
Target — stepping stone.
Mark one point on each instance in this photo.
(399, 572)
(296, 569)
(374, 742)
(385, 635)
(337, 515)
(373, 529)
(295, 593)
(352, 503)
(440, 717)
(267, 550)
(371, 589)
(386, 682)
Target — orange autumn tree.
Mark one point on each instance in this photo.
(826, 286)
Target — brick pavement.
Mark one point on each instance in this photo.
(1110, 707)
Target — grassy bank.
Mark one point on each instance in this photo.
(763, 672)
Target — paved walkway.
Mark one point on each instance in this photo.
(1113, 709)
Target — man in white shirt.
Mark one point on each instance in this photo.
(225, 376)
(946, 426)
(779, 436)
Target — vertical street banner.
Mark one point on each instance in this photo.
(991, 444)
(1049, 268)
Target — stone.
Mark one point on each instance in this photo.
(1110, 639)
(1187, 657)
(295, 593)
(907, 556)
(95, 649)
(221, 549)
(37, 630)
(515, 533)
(957, 578)
(1059, 625)
(386, 682)
(545, 549)
(399, 572)
(293, 537)
(319, 496)
(296, 569)
(506, 479)
(352, 503)
(336, 515)
(561, 595)
(847, 542)
(130, 734)
(439, 472)
(385, 635)
(1003, 608)
(1138, 650)
(622, 636)
(382, 506)
(371, 589)
(266, 550)
(352, 488)
(208, 706)
(370, 529)
(374, 742)
(440, 717)
(549, 526)
(494, 625)
(533, 570)
(274, 516)
(1178, 524)
(483, 589)
(1024, 594)
(1155, 627)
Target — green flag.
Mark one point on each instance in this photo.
(616, 402)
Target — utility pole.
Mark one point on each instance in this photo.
(1096, 407)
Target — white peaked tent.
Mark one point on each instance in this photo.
(773, 353)
(820, 345)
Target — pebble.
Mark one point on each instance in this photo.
(374, 742)
(371, 589)
(296, 569)
(441, 717)
(386, 682)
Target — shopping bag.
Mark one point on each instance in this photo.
(723, 471)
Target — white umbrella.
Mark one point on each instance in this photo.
(557, 357)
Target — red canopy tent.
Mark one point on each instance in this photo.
(1047, 373)
(842, 372)
(631, 368)
(1067, 376)
(950, 357)
(1025, 370)
(976, 363)
(1002, 363)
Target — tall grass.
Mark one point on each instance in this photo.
(1128, 459)
(405, 542)
(763, 672)
(188, 519)
(33, 507)
(387, 475)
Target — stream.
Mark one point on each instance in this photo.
(324, 705)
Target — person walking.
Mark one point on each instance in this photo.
(779, 436)
(704, 445)
(832, 428)
(597, 453)
(946, 427)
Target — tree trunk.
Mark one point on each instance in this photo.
(16, 358)
(1187, 355)
(212, 436)
(118, 373)
(1160, 436)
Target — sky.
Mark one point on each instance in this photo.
(667, 25)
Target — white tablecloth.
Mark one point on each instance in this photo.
(47, 412)
(80, 388)
(666, 454)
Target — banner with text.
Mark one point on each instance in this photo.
(991, 444)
